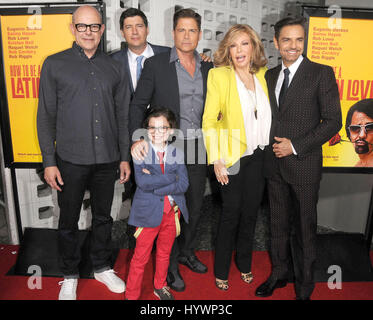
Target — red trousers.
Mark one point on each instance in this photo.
(166, 232)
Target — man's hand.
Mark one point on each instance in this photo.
(125, 172)
(282, 148)
(139, 150)
(50, 176)
(205, 58)
(146, 171)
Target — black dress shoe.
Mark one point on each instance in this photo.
(266, 289)
(193, 263)
(175, 281)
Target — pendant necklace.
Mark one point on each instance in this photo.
(254, 99)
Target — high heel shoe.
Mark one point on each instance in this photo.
(222, 284)
(247, 277)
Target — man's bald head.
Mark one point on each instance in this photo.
(83, 18)
(84, 10)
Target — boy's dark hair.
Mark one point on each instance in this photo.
(158, 112)
(132, 12)
(187, 13)
(364, 106)
(289, 21)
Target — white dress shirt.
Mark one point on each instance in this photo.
(293, 69)
(148, 52)
(257, 130)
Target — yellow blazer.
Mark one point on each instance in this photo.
(225, 138)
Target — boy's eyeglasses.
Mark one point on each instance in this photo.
(159, 129)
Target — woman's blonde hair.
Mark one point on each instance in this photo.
(222, 56)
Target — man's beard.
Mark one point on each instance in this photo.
(361, 148)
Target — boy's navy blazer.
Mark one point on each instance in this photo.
(148, 201)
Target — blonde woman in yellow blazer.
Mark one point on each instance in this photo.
(236, 125)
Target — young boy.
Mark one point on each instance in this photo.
(161, 180)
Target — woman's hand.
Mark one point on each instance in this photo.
(221, 172)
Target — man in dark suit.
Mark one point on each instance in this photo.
(177, 80)
(134, 27)
(306, 113)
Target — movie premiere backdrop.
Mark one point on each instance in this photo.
(26, 40)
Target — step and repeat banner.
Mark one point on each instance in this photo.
(25, 47)
(341, 38)
(28, 36)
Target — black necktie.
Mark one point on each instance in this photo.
(284, 87)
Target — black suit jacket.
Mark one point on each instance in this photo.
(122, 56)
(310, 116)
(158, 86)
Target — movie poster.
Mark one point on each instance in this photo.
(348, 49)
(26, 42)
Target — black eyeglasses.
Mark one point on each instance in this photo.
(356, 128)
(159, 129)
(81, 27)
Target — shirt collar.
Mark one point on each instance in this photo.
(294, 67)
(148, 52)
(174, 57)
(157, 149)
(81, 52)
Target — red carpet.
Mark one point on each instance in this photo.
(198, 286)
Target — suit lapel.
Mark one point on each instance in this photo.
(235, 114)
(173, 84)
(297, 84)
(272, 81)
(171, 157)
(127, 68)
(153, 160)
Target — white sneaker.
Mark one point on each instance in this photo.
(114, 283)
(68, 289)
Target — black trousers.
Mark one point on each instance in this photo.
(293, 217)
(99, 180)
(241, 198)
(195, 160)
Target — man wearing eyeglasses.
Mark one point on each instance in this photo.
(359, 129)
(82, 124)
